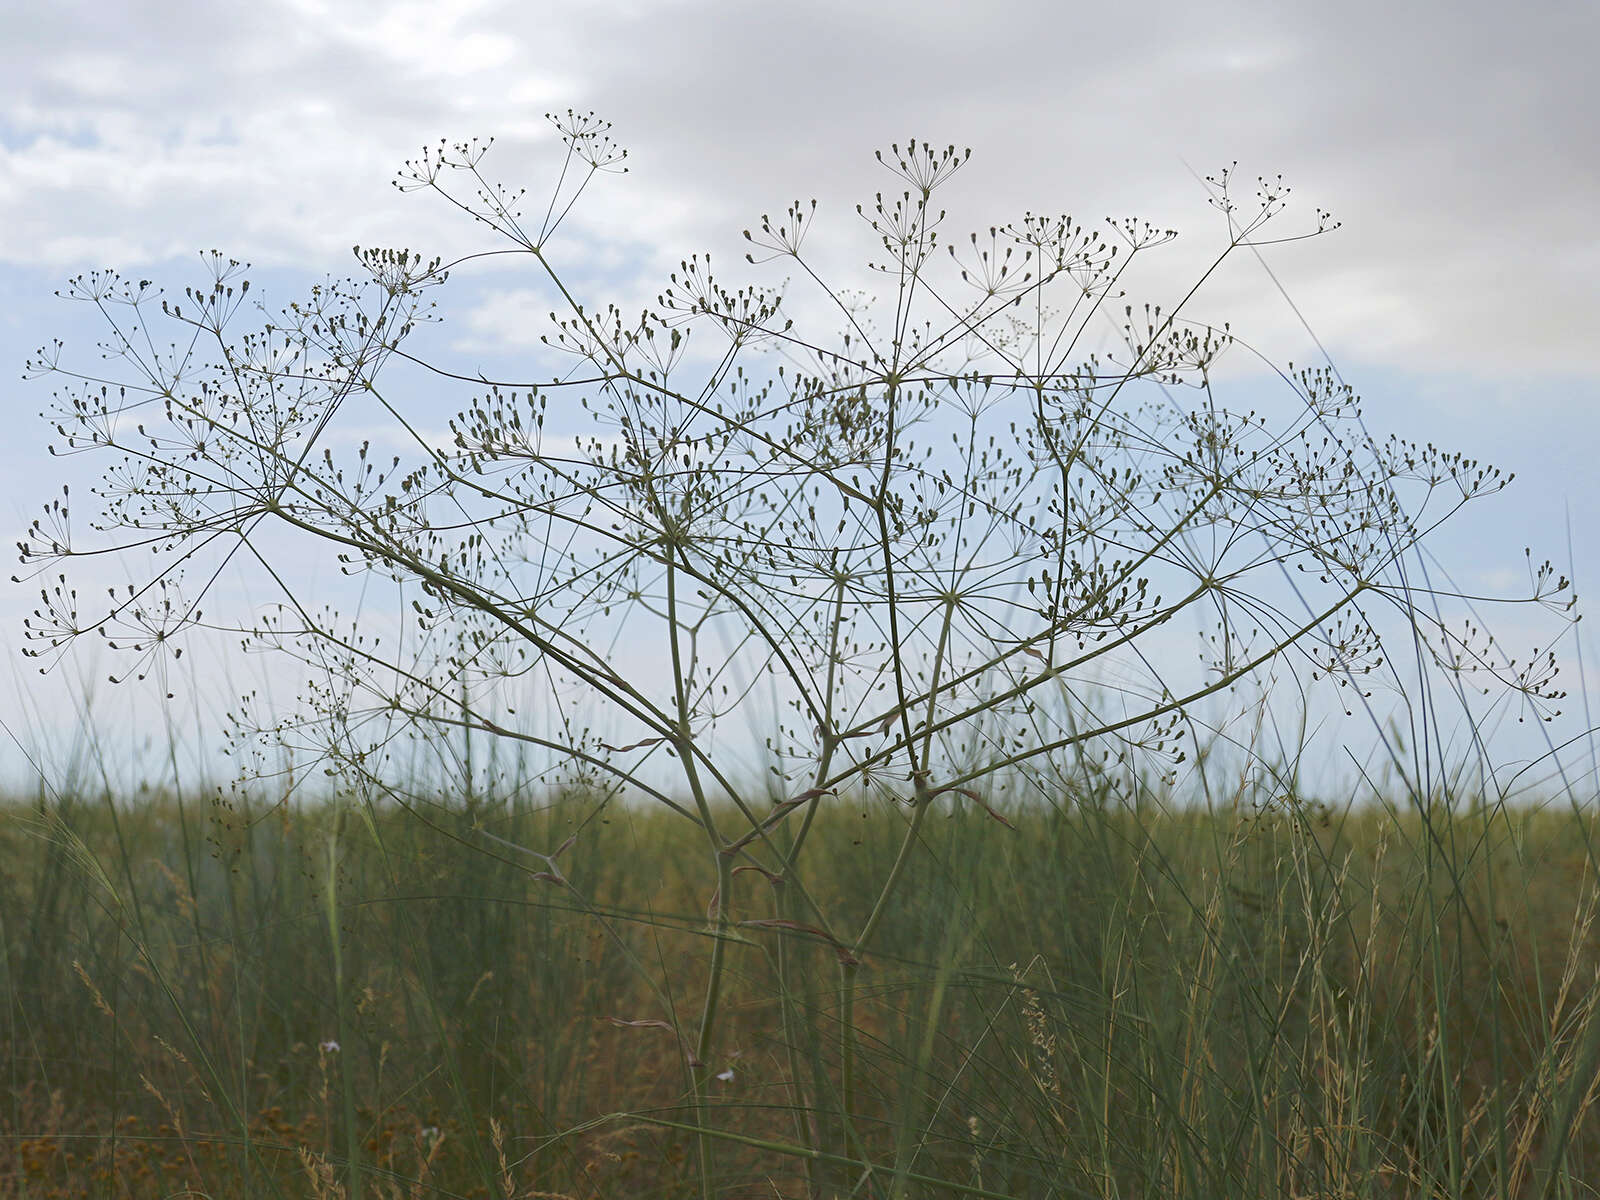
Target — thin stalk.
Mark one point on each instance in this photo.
(905, 1152)
(830, 740)
(850, 964)
(683, 742)
(807, 1132)
(807, 1124)
(933, 683)
(347, 1086)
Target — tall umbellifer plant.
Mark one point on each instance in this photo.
(943, 550)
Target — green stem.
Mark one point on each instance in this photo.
(847, 1056)
(347, 1083)
(850, 965)
(683, 743)
(797, 1023)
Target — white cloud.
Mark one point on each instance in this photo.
(1453, 142)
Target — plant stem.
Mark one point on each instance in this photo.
(850, 966)
(347, 1085)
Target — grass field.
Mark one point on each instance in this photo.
(1098, 1000)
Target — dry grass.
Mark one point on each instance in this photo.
(1266, 1004)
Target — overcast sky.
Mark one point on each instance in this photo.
(1456, 143)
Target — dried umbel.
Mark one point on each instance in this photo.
(941, 548)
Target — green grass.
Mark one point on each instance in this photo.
(1097, 1002)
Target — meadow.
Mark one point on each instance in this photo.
(968, 589)
(1109, 997)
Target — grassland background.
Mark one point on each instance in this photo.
(1100, 999)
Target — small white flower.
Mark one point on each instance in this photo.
(725, 1076)
(328, 1047)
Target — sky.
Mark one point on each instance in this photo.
(1455, 143)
